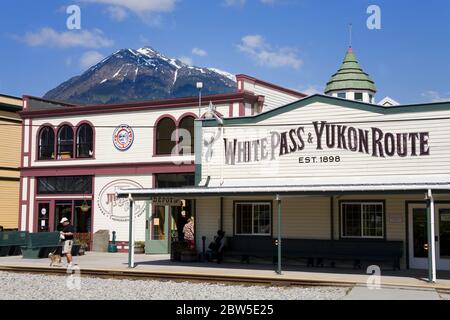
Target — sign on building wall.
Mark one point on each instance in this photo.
(123, 137)
(118, 209)
(322, 136)
(341, 142)
(165, 201)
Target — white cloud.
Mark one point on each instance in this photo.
(149, 11)
(117, 13)
(199, 52)
(264, 54)
(187, 60)
(310, 90)
(435, 96)
(90, 58)
(253, 41)
(50, 38)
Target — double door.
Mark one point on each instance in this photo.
(418, 236)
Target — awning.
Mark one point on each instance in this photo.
(202, 192)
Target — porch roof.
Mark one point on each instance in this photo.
(203, 192)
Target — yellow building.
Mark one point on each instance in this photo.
(10, 149)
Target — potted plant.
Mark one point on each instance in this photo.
(76, 249)
(139, 247)
(81, 246)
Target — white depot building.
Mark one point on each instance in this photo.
(335, 179)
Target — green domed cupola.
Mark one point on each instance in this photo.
(351, 82)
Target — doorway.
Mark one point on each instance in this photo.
(418, 236)
(165, 226)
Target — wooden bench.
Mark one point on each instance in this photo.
(251, 246)
(11, 241)
(39, 245)
(316, 251)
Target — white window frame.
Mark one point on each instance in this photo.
(362, 203)
(253, 204)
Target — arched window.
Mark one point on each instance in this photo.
(186, 132)
(164, 131)
(46, 148)
(65, 142)
(85, 141)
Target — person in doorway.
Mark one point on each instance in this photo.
(181, 221)
(188, 231)
(217, 247)
(67, 234)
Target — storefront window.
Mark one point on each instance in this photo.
(159, 224)
(43, 217)
(63, 209)
(177, 180)
(82, 219)
(64, 185)
(253, 218)
(77, 211)
(362, 220)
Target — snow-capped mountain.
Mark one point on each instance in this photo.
(142, 74)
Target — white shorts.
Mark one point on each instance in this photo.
(67, 248)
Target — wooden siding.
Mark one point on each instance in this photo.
(10, 152)
(9, 204)
(308, 217)
(352, 164)
(10, 147)
(141, 122)
(272, 98)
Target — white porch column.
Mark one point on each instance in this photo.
(279, 233)
(131, 236)
(431, 239)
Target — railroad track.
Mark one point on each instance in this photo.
(206, 278)
(179, 276)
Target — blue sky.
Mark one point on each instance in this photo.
(298, 44)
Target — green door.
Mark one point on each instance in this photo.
(157, 233)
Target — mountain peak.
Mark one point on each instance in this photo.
(140, 74)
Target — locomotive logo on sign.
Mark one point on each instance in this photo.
(123, 137)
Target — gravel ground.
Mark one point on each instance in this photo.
(39, 287)
(445, 296)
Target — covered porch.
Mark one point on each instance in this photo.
(320, 216)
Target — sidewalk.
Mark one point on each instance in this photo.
(392, 293)
(154, 266)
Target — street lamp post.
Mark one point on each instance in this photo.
(199, 87)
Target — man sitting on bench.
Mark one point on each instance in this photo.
(217, 247)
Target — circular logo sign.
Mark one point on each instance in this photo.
(118, 209)
(123, 137)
